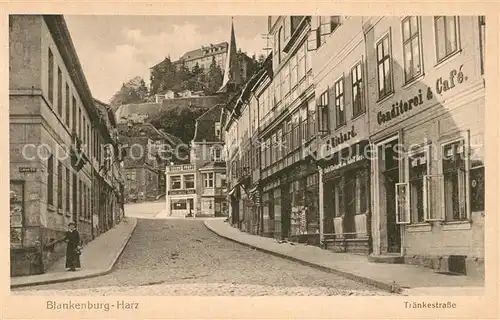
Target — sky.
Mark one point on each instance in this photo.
(115, 49)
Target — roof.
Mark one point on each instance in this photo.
(205, 125)
(199, 53)
(213, 165)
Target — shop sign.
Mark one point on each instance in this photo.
(442, 85)
(181, 192)
(343, 163)
(27, 170)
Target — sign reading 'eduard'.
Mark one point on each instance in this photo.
(442, 85)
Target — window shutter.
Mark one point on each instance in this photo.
(402, 203)
(433, 198)
(312, 37)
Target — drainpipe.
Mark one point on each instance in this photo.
(321, 209)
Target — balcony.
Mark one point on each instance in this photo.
(181, 168)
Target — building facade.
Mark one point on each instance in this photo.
(57, 138)
(427, 108)
(149, 150)
(342, 134)
(367, 143)
(196, 189)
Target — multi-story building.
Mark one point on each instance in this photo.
(368, 143)
(149, 150)
(56, 143)
(197, 188)
(425, 90)
(339, 68)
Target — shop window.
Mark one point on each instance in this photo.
(418, 168)
(175, 182)
(384, 67)
(179, 204)
(358, 103)
(455, 180)
(363, 191)
(402, 203)
(189, 181)
(339, 197)
(446, 28)
(411, 48)
(324, 118)
(339, 103)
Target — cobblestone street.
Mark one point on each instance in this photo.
(182, 257)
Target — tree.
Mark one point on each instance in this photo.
(179, 121)
(214, 78)
(132, 91)
(163, 77)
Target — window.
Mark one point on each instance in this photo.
(301, 58)
(402, 204)
(311, 118)
(67, 107)
(286, 79)
(189, 181)
(175, 182)
(274, 148)
(363, 191)
(223, 180)
(446, 36)
(208, 180)
(279, 44)
(324, 122)
(455, 176)
(417, 169)
(59, 92)
(295, 130)
(279, 142)
(50, 180)
(339, 103)
(358, 103)
(286, 28)
(293, 71)
(321, 27)
(50, 83)
(384, 67)
(179, 204)
(68, 185)
(73, 112)
(59, 185)
(411, 48)
(80, 198)
(304, 130)
(79, 123)
(482, 36)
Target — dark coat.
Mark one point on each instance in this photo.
(72, 256)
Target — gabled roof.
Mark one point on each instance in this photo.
(205, 125)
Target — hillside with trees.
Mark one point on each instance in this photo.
(179, 121)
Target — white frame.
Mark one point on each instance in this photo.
(420, 50)
(466, 139)
(425, 148)
(457, 34)
(407, 204)
(442, 215)
(391, 64)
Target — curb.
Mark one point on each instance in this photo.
(97, 273)
(389, 287)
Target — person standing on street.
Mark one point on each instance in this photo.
(73, 247)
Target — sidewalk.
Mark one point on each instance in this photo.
(401, 278)
(98, 258)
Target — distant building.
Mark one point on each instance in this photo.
(197, 188)
(147, 155)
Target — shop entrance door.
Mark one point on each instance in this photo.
(390, 178)
(286, 209)
(329, 207)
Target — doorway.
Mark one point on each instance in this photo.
(390, 176)
(286, 210)
(348, 223)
